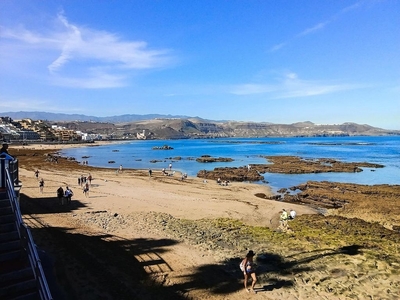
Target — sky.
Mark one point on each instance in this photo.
(278, 61)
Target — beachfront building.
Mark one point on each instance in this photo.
(8, 133)
(28, 135)
(144, 135)
(66, 135)
(40, 127)
(89, 137)
(28, 129)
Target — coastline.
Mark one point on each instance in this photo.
(181, 234)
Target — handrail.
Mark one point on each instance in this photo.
(28, 243)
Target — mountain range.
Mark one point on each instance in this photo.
(157, 126)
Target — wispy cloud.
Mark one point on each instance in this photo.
(318, 27)
(313, 29)
(82, 50)
(21, 104)
(290, 86)
(34, 104)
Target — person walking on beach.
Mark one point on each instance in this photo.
(60, 194)
(68, 194)
(247, 266)
(86, 189)
(120, 169)
(41, 185)
(150, 172)
(37, 174)
(170, 166)
(90, 179)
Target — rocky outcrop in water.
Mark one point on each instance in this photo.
(165, 147)
(231, 174)
(286, 165)
(210, 159)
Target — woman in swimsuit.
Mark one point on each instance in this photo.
(248, 268)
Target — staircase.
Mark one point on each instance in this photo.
(17, 280)
(21, 273)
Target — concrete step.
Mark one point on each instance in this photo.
(3, 194)
(7, 227)
(6, 210)
(9, 236)
(10, 246)
(14, 265)
(5, 203)
(7, 218)
(11, 255)
(16, 276)
(19, 290)
(34, 295)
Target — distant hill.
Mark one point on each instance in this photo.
(158, 126)
(38, 115)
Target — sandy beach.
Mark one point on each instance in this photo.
(132, 206)
(135, 191)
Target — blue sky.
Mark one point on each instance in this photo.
(328, 62)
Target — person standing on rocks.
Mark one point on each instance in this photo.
(247, 266)
(283, 220)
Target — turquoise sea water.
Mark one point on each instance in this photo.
(138, 154)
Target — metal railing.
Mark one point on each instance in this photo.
(27, 239)
(12, 165)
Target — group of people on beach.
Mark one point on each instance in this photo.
(82, 180)
(85, 182)
(64, 195)
(223, 182)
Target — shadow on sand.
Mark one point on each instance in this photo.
(94, 266)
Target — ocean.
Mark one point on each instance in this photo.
(139, 154)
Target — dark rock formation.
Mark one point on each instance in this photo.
(231, 174)
(209, 159)
(165, 147)
(298, 165)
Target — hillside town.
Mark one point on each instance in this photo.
(38, 130)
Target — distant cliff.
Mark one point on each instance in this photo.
(197, 128)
